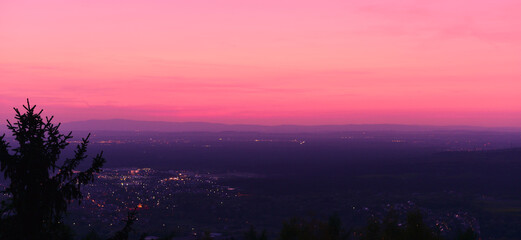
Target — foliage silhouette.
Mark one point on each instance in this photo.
(416, 228)
(39, 190)
(413, 229)
(373, 230)
(92, 235)
(313, 229)
(252, 234)
(468, 234)
(390, 226)
(123, 233)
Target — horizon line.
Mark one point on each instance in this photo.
(303, 125)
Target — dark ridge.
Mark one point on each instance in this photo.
(158, 126)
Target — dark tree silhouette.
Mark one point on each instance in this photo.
(39, 190)
(468, 234)
(252, 234)
(416, 228)
(372, 230)
(390, 225)
(123, 233)
(92, 235)
(413, 229)
(314, 229)
(206, 236)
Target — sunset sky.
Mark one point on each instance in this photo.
(445, 62)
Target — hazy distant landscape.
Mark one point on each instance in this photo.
(353, 173)
(236, 176)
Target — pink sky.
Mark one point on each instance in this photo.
(440, 62)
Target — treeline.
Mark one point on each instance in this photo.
(387, 228)
(390, 227)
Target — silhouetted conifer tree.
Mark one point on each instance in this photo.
(39, 190)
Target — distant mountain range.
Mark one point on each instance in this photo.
(157, 126)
